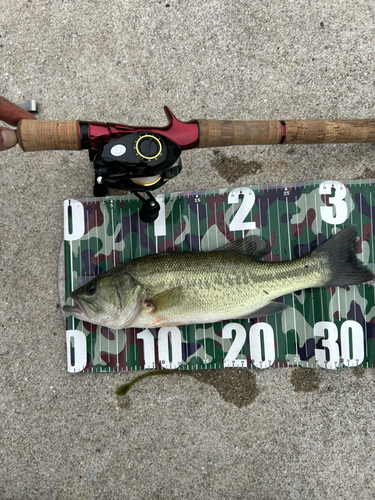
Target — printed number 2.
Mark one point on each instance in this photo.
(239, 341)
(237, 223)
(339, 212)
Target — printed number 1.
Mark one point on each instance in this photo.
(160, 224)
(74, 220)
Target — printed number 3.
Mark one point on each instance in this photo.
(339, 212)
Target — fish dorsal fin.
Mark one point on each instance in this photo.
(271, 308)
(252, 245)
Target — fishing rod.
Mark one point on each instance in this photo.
(142, 159)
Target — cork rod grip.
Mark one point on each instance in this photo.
(214, 133)
(34, 135)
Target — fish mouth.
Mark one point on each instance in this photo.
(80, 311)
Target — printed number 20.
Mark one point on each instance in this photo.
(257, 331)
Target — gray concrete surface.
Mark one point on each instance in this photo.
(177, 437)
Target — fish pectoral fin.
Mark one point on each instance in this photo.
(270, 308)
(164, 300)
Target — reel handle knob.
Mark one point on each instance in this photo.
(149, 214)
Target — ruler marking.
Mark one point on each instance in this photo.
(373, 259)
(308, 250)
(362, 285)
(97, 237)
(293, 296)
(114, 265)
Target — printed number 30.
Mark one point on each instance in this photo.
(351, 339)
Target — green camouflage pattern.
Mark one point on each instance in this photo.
(328, 328)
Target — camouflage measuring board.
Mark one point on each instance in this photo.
(327, 327)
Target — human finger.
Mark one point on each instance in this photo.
(12, 114)
(8, 138)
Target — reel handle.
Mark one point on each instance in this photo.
(215, 133)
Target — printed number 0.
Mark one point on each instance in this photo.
(78, 340)
(358, 350)
(256, 345)
(340, 214)
(75, 210)
(237, 223)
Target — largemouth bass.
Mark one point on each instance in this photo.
(180, 288)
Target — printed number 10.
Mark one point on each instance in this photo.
(149, 347)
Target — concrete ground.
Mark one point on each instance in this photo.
(278, 434)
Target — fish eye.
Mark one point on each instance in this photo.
(90, 288)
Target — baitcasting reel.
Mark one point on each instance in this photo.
(138, 162)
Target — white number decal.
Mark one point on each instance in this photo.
(256, 345)
(148, 348)
(176, 345)
(339, 213)
(231, 360)
(74, 215)
(356, 345)
(159, 224)
(78, 340)
(237, 223)
(330, 343)
(261, 340)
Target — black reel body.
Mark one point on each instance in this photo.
(139, 162)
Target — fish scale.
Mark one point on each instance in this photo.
(291, 219)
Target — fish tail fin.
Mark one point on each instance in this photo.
(345, 267)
